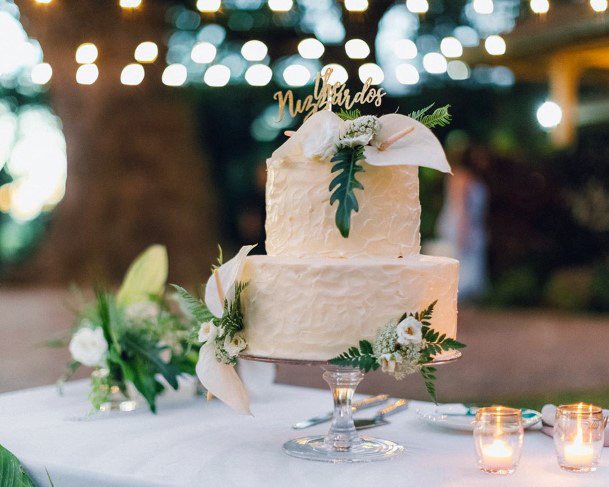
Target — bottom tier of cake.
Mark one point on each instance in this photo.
(316, 308)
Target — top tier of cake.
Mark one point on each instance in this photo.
(300, 220)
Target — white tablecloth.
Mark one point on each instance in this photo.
(191, 442)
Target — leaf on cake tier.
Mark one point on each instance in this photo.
(346, 164)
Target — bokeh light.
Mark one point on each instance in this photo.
(132, 74)
(296, 75)
(458, 70)
(339, 73)
(146, 52)
(86, 53)
(41, 74)
(311, 48)
(495, 45)
(356, 5)
(435, 63)
(254, 50)
(549, 114)
(371, 70)
(357, 49)
(258, 75)
(405, 49)
(174, 75)
(451, 47)
(417, 6)
(281, 5)
(208, 6)
(203, 52)
(540, 6)
(217, 75)
(407, 74)
(484, 7)
(87, 74)
(130, 3)
(598, 5)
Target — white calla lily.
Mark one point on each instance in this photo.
(221, 284)
(222, 380)
(416, 145)
(317, 137)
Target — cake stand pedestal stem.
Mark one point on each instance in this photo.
(342, 381)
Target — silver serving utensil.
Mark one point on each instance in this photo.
(379, 418)
(356, 406)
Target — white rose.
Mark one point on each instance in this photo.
(409, 331)
(207, 332)
(88, 346)
(144, 310)
(235, 345)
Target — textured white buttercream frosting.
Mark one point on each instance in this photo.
(315, 308)
(300, 220)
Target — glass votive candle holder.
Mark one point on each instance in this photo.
(579, 436)
(498, 437)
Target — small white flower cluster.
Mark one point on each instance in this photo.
(398, 347)
(227, 347)
(359, 131)
(88, 345)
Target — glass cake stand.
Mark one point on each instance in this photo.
(342, 443)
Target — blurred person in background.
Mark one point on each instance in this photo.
(461, 225)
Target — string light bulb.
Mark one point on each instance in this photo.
(254, 50)
(417, 6)
(217, 75)
(373, 71)
(130, 4)
(451, 47)
(146, 52)
(258, 75)
(357, 49)
(540, 6)
(281, 5)
(549, 114)
(87, 74)
(174, 75)
(598, 5)
(296, 75)
(86, 53)
(311, 48)
(484, 7)
(203, 52)
(208, 6)
(435, 63)
(41, 74)
(338, 75)
(44, 2)
(495, 45)
(356, 5)
(132, 74)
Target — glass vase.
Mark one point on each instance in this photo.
(115, 400)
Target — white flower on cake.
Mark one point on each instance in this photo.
(409, 331)
(144, 310)
(88, 346)
(220, 337)
(207, 332)
(390, 361)
(359, 131)
(234, 345)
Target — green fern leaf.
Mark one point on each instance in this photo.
(361, 358)
(343, 186)
(418, 114)
(349, 114)
(429, 377)
(439, 118)
(196, 307)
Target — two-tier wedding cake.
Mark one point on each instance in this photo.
(317, 293)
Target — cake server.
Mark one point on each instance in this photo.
(356, 406)
(379, 418)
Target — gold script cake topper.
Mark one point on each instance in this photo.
(325, 96)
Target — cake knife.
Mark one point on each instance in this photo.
(356, 406)
(379, 417)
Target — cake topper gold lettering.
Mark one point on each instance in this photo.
(325, 96)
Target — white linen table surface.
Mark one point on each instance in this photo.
(191, 442)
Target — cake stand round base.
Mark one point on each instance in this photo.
(365, 450)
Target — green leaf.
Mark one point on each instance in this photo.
(196, 307)
(418, 114)
(146, 275)
(439, 118)
(349, 114)
(12, 474)
(150, 352)
(429, 377)
(343, 186)
(361, 358)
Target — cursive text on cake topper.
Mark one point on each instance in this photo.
(325, 96)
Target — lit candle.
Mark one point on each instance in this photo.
(578, 453)
(498, 455)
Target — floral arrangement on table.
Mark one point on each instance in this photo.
(134, 337)
(220, 325)
(402, 347)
